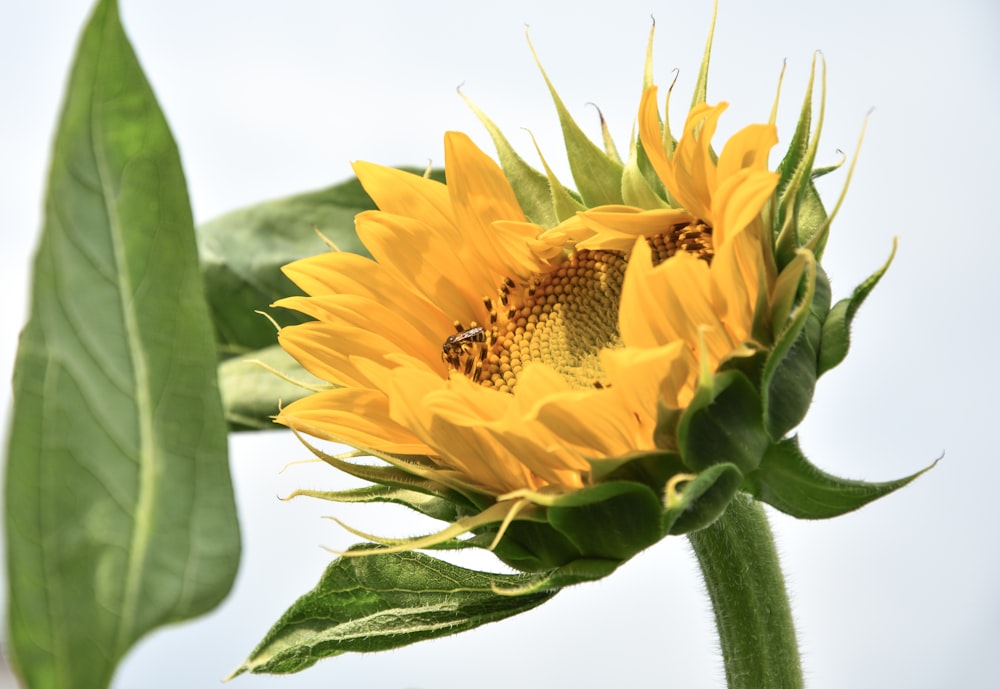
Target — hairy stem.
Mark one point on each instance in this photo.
(743, 577)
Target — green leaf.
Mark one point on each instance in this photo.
(119, 508)
(575, 572)
(787, 481)
(431, 505)
(253, 385)
(836, 334)
(376, 602)
(242, 253)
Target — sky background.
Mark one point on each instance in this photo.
(267, 99)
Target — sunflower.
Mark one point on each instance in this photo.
(496, 359)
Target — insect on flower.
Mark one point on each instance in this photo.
(462, 344)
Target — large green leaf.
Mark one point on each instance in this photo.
(120, 514)
(242, 253)
(380, 601)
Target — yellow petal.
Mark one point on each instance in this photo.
(651, 137)
(404, 193)
(646, 376)
(747, 148)
(669, 302)
(694, 170)
(356, 316)
(739, 200)
(480, 195)
(462, 447)
(331, 351)
(425, 258)
(352, 416)
(616, 227)
(738, 275)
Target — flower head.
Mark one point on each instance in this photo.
(624, 366)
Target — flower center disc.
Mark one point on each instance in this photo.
(567, 317)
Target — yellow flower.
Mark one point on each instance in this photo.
(575, 392)
(508, 362)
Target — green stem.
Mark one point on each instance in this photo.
(743, 576)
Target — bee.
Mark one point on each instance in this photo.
(462, 344)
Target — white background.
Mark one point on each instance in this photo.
(268, 99)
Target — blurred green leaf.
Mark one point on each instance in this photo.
(380, 601)
(242, 253)
(254, 384)
(119, 508)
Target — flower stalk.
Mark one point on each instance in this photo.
(739, 563)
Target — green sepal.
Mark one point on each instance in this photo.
(798, 146)
(255, 384)
(597, 176)
(701, 85)
(787, 481)
(801, 214)
(641, 186)
(530, 186)
(403, 471)
(565, 202)
(652, 468)
(242, 252)
(610, 149)
(529, 546)
(818, 172)
(722, 424)
(836, 333)
(376, 602)
(609, 521)
(789, 377)
(425, 503)
(791, 388)
(806, 218)
(702, 500)
(667, 422)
